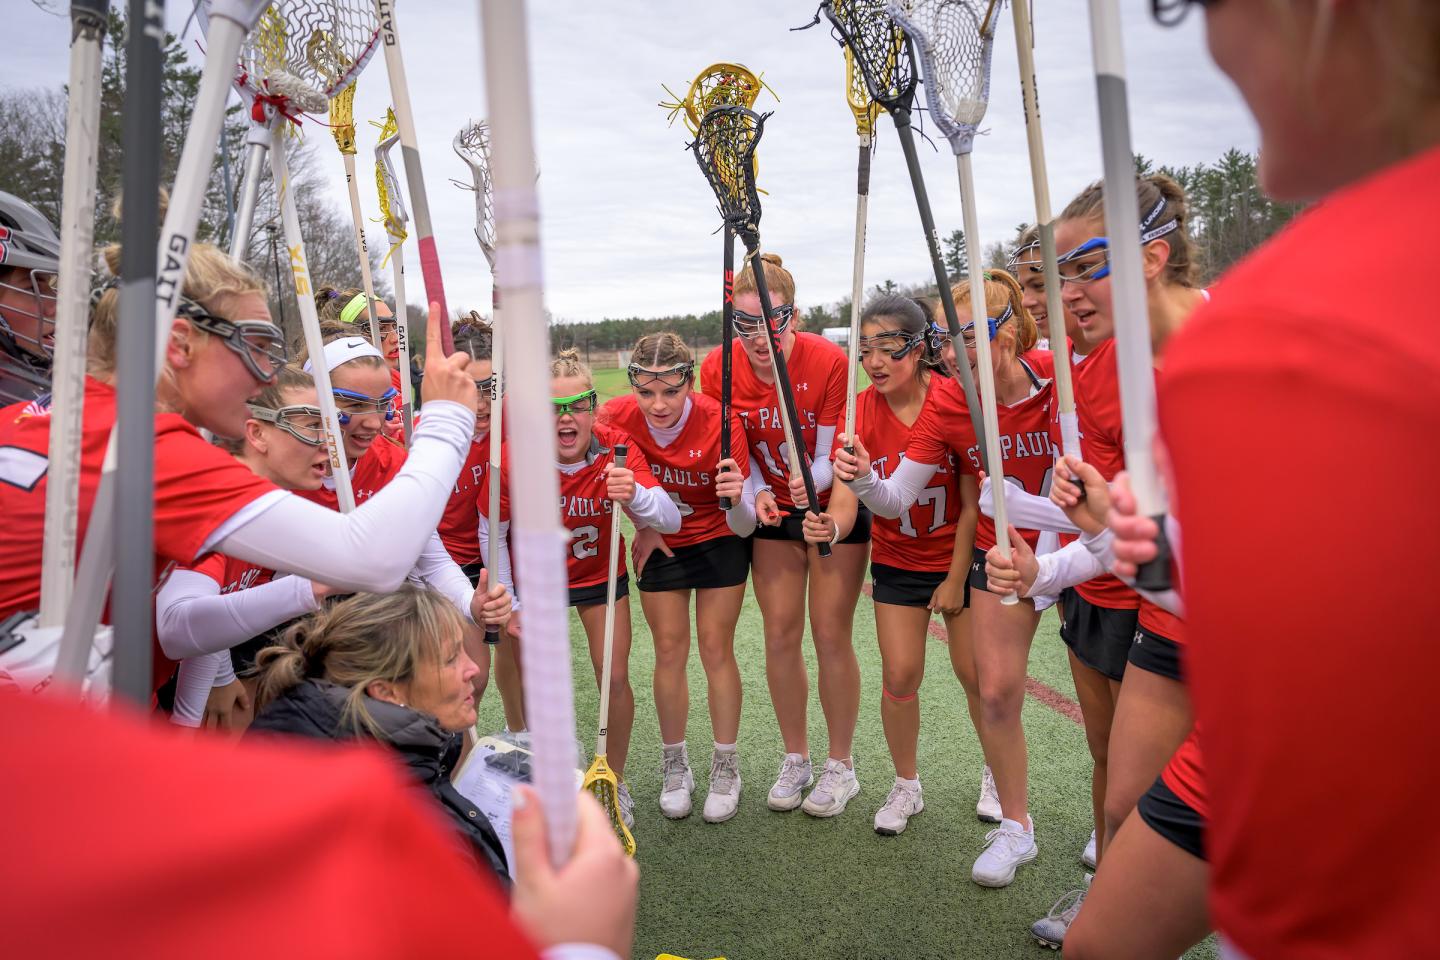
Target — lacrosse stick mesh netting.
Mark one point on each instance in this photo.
(955, 39)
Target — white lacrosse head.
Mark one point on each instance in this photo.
(284, 41)
(954, 39)
(472, 144)
(396, 216)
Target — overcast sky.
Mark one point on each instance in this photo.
(628, 220)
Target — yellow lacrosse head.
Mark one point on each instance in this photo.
(602, 783)
(719, 84)
(270, 40)
(325, 56)
(858, 97)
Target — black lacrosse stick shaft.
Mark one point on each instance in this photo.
(782, 379)
(727, 314)
(942, 282)
(1155, 575)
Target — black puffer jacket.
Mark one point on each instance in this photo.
(313, 709)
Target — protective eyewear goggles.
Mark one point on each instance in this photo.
(576, 403)
(1026, 257)
(749, 326)
(486, 387)
(260, 343)
(354, 404)
(967, 332)
(676, 376)
(1091, 260)
(1169, 13)
(41, 290)
(894, 344)
(301, 421)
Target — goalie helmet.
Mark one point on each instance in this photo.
(29, 272)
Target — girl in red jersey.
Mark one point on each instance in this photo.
(783, 566)
(590, 485)
(347, 307)
(222, 350)
(679, 433)
(920, 563)
(1002, 634)
(1026, 265)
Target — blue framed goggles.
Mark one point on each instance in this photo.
(353, 404)
(1091, 260)
(967, 331)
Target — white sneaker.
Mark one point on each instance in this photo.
(1050, 930)
(795, 776)
(1087, 856)
(1007, 847)
(836, 788)
(902, 804)
(724, 797)
(987, 808)
(677, 783)
(627, 807)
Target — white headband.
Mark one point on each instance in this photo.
(343, 351)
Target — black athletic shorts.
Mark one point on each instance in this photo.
(591, 595)
(1155, 654)
(1098, 636)
(721, 562)
(1173, 818)
(791, 528)
(906, 588)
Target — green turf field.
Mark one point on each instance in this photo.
(772, 885)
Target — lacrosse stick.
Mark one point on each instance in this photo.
(539, 539)
(600, 779)
(300, 56)
(1134, 355)
(864, 109)
(394, 215)
(77, 230)
(725, 150)
(886, 60)
(326, 57)
(232, 19)
(414, 174)
(1045, 228)
(955, 42)
(472, 144)
(718, 85)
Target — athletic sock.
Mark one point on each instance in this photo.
(724, 747)
(908, 784)
(798, 757)
(674, 747)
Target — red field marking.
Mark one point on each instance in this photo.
(1038, 691)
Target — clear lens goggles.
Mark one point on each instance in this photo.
(967, 332)
(486, 387)
(1026, 257)
(260, 343)
(352, 404)
(893, 344)
(301, 421)
(676, 376)
(749, 326)
(577, 403)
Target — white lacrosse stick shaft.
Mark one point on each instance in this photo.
(857, 286)
(607, 658)
(1133, 352)
(984, 368)
(540, 539)
(362, 251)
(310, 323)
(77, 220)
(1045, 226)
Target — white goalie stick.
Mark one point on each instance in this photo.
(1045, 230)
(954, 39)
(472, 144)
(414, 173)
(395, 217)
(1134, 353)
(536, 531)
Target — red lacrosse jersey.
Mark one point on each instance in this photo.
(1102, 444)
(198, 487)
(818, 380)
(584, 508)
(923, 537)
(1311, 692)
(1185, 774)
(1026, 451)
(375, 468)
(460, 523)
(231, 574)
(1157, 619)
(348, 840)
(685, 468)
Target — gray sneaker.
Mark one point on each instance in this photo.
(1050, 930)
(724, 797)
(902, 804)
(677, 783)
(795, 776)
(627, 807)
(837, 786)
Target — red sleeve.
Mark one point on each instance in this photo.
(211, 565)
(832, 407)
(198, 487)
(942, 427)
(349, 843)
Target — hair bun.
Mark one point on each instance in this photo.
(772, 258)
